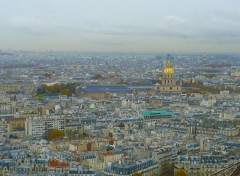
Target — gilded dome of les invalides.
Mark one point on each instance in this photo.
(169, 69)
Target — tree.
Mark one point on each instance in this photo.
(55, 89)
(65, 92)
(98, 76)
(167, 169)
(209, 75)
(47, 75)
(89, 146)
(40, 97)
(121, 82)
(191, 91)
(136, 174)
(40, 90)
(51, 88)
(54, 134)
(180, 173)
(121, 124)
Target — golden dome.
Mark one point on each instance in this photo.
(169, 69)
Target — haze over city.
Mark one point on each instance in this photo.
(120, 88)
(121, 26)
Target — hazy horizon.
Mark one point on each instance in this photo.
(144, 26)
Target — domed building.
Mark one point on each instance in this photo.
(169, 82)
(169, 70)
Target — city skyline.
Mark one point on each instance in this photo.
(123, 26)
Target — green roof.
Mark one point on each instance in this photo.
(157, 113)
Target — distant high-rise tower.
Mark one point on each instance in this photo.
(170, 57)
(158, 57)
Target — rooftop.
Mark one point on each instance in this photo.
(157, 113)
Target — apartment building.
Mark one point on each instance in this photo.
(38, 126)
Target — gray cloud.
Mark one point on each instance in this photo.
(128, 25)
(213, 28)
(205, 29)
(34, 26)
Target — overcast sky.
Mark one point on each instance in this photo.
(121, 25)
